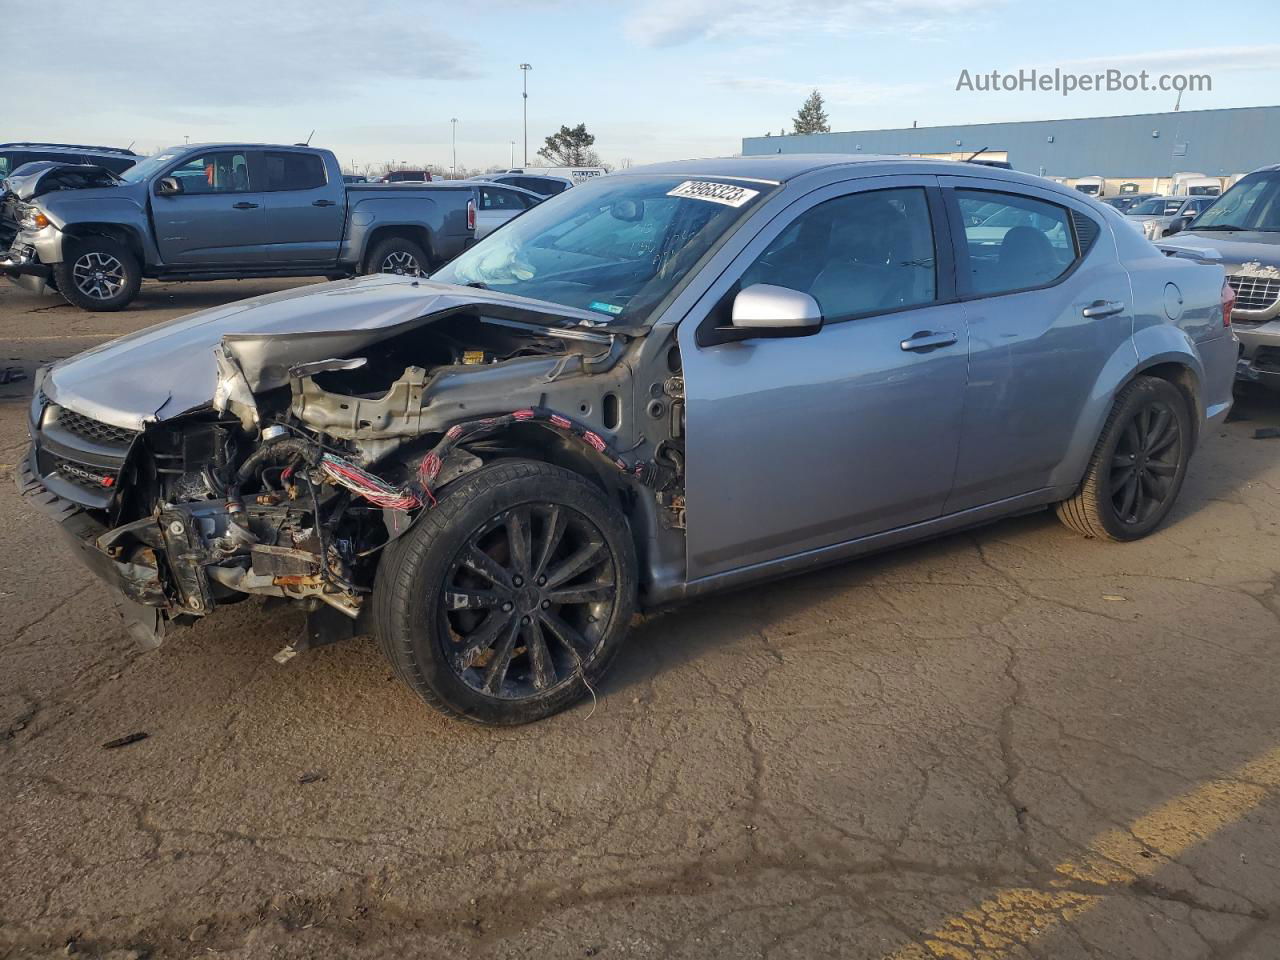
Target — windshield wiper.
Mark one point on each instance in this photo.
(477, 285)
(1221, 226)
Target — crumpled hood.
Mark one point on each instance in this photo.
(39, 175)
(166, 370)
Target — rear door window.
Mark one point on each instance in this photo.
(286, 170)
(1014, 242)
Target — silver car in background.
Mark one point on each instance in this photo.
(672, 380)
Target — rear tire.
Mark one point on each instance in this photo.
(398, 256)
(510, 596)
(1138, 466)
(98, 274)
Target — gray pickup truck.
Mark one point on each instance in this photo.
(223, 211)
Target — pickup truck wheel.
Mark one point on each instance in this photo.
(98, 274)
(510, 597)
(399, 256)
(1137, 467)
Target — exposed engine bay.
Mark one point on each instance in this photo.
(295, 478)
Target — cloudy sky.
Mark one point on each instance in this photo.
(653, 79)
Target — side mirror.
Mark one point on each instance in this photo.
(168, 186)
(765, 310)
(1177, 225)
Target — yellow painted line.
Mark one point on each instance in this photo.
(1014, 917)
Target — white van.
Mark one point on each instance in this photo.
(1091, 186)
(1195, 185)
(576, 174)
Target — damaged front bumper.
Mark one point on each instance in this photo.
(22, 265)
(138, 593)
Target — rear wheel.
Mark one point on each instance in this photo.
(1137, 467)
(98, 274)
(510, 596)
(399, 256)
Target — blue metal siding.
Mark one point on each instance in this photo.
(1218, 143)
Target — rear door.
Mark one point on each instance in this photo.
(1048, 305)
(305, 212)
(217, 220)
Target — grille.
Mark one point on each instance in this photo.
(1255, 293)
(94, 430)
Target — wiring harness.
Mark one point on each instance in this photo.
(420, 491)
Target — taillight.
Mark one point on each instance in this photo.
(1228, 302)
(471, 217)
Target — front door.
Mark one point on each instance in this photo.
(217, 220)
(798, 444)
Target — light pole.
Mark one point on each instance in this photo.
(512, 163)
(454, 169)
(524, 73)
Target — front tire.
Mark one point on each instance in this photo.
(98, 274)
(1137, 467)
(510, 596)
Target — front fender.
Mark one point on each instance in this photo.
(71, 212)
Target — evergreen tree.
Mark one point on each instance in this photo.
(812, 118)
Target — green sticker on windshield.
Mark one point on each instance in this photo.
(606, 307)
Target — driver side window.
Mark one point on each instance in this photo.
(226, 172)
(863, 253)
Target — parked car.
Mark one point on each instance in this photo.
(216, 211)
(673, 380)
(572, 174)
(1152, 208)
(406, 176)
(1125, 202)
(354, 178)
(543, 186)
(14, 155)
(496, 203)
(1156, 227)
(1241, 232)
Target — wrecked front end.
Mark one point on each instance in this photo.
(296, 474)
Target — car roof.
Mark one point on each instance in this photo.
(65, 148)
(782, 167)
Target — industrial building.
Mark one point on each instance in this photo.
(1137, 152)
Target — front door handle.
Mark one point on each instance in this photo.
(1103, 308)
(323, 203)
(245, 205)
(927, 340)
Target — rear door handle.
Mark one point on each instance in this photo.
(245, 205)
(926, 340)
(323, 203)
(1103, 308)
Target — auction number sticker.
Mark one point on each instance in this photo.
(725, 193)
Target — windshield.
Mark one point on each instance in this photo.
(616, 245)
(1252, 204)
(145, 168)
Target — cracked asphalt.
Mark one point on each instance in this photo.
(1007, 743)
